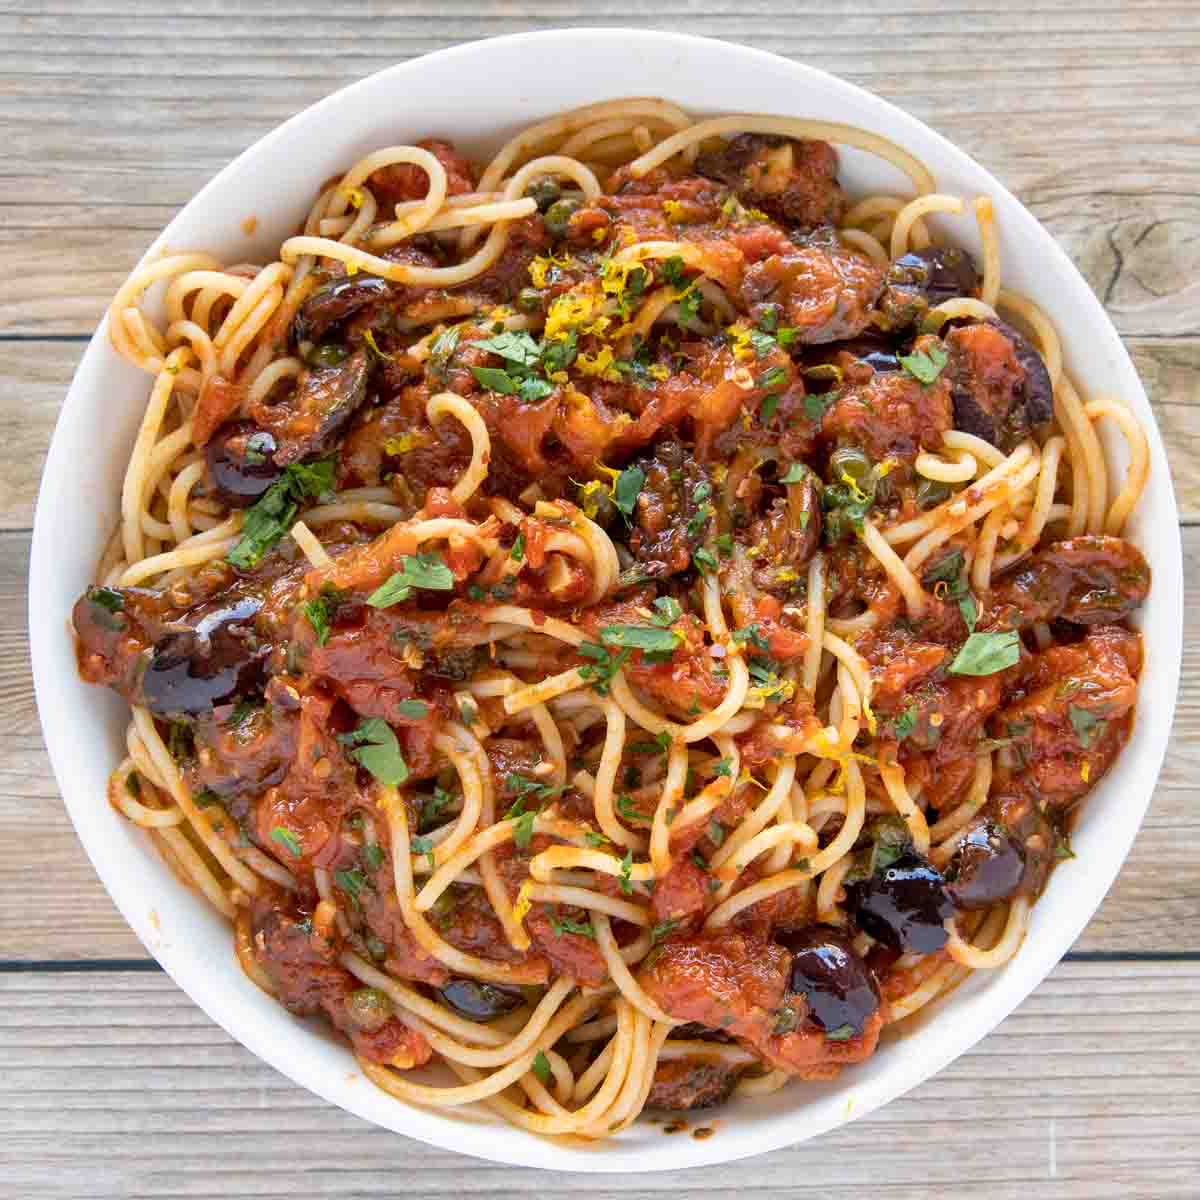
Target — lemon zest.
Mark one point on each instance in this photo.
(524, 902)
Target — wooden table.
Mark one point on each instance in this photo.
(112, 115)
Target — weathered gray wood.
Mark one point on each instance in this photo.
(116, 1085)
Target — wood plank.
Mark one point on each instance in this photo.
(1090, 1089)
(35, 375)
(53, 907)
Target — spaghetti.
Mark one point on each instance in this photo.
(622, 622)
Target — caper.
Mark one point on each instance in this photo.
(544, 191)
(369, 1008)
(529, 300)
(558, 217)
(931, 493)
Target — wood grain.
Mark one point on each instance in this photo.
(141, 1097)
(113, 115)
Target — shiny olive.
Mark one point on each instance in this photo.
(529, 300)
(239, 457)
(941, 272)
(931, 493)
(832, 978)
(334, 303)
(851, 463)
(480, 1001)
(1037, 392)
(558, 217)
(987, 866)
(545, 192)
(369, 1008)
(904, 905)
(190, 670)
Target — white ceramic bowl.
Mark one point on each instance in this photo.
(477, 94)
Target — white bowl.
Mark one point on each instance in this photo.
(476, 94)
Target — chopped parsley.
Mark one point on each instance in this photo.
(816, 405)
(373, 746)
(905, 723)
(625, 878)
(667, 611)
(562, 925)
(541, 1067)
(626, 490)
(925, 366)
(604, 665)
(321, 613)
(415, 710)
(351, 882)
(423, 845)
(662, 930)
(272, 515)
(987, 653)
(425, 571)
(287, 839)
(647, 638)
(796, 473)
(1088, 727)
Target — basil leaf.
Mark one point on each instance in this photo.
(987, 653)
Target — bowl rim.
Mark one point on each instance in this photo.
(506, 1144)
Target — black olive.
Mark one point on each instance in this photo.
(334, 303)
(190, 670)
(832, 978)
(480, 1001)
(1038, 391)
(240, 463)
(871, 348)
(987, 866)
(940, 272)
(904, 905)
(324, 401)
